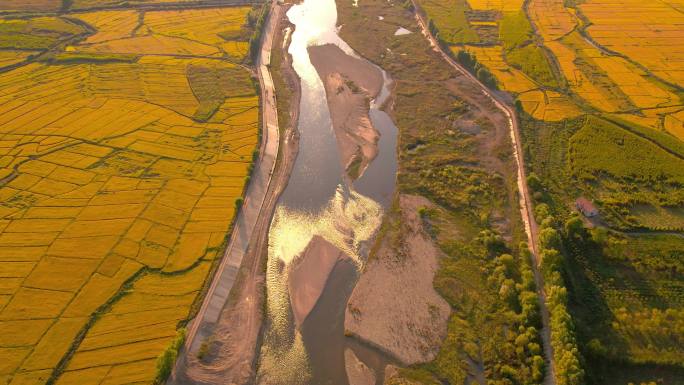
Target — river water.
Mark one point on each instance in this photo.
(319, 201)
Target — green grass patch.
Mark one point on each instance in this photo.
(660, 138)
(637, 183)
(87, 57)
(35, 33)
(447, 18)
(212, 85)
(603, 148)
(515, 30)
(532, 60)
(167, 359)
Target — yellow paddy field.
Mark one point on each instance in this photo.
(122, 154)
(624, 58)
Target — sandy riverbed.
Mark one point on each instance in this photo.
(309, 274)
(350, 83)
(394, 305)
(357, 372)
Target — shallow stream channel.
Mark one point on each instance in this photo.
(322, 228)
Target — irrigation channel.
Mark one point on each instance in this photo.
(322, 227)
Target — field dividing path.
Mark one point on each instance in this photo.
(526, 207)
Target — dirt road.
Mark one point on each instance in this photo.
(526, 207)
(227, 325)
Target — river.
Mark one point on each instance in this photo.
(320, 203)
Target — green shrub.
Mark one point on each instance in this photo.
(167, 359)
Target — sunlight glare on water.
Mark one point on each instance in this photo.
(347, 222)
(315, 22)
(315, 203)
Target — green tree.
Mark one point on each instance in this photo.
(574, 228)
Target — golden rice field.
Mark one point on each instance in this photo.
(88, 4)
(212, 32)
(608, 83)
(56, 5)
(650, 33)
(30, 5)
(121, 159)
(8, 58)
(627, 64)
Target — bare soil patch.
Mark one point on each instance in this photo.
(349, 83)
(394, 306)
(357, 372)
(309, 274)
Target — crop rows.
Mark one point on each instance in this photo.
(115, 197)
(592, 77)
(194, 32)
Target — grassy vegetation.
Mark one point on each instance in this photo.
(89, 57)
(283, 82)
(167, 359)
(212, 85)
(532, 60)
(256, 19)
(485, 276)
(623, 291)
(469, 61)
(515, 30)
(601, 147)
(521, 51)
(662, 139)
(625, 171)
(447, 20)
(36, 33)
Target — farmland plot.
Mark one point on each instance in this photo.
(119, 172)
(598, 87)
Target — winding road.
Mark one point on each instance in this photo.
(526, 206)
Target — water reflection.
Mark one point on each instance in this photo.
(347, 222)
(317, 202)
(317, 171)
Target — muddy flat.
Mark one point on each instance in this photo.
(350, 83)
(410, 323)
(357, 372)
(309, 274)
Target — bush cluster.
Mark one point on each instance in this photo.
(167, 359)
(255, 19)
(567, 359)
(469, 61)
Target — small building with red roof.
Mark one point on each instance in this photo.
(586, 207)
